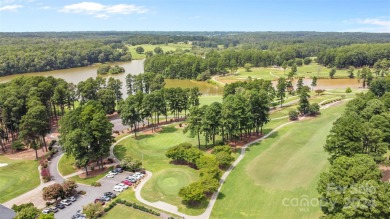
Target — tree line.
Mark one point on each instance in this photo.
(29, 106)
(23, 55)
(138, 107)
(354, 55)
(357, 143)
(244, 111)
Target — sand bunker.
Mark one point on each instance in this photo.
(3, 164)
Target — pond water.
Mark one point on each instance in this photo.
(75, 75)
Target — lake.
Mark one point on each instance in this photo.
(75, 75)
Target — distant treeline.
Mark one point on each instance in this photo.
(354, 55)
(29, 52)
(23, 55)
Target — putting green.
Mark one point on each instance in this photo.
(165, 184)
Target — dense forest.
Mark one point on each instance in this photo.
(357, 143)
(21, 55)
(29, 52)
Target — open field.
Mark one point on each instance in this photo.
(285, 166)
(124, 212)
(165, 47)
(18, 177)
(167, 178)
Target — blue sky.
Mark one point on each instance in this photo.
(195, 15)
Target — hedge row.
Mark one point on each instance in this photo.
(129, 204)
(330, 101)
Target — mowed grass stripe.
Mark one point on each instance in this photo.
(284, 166)
(18, 177)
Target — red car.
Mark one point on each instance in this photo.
(98, 200)
(127, 182)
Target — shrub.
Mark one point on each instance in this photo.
(225, 148)
(293, 115)
(307, 61)
(45, 173)
(116, 132)
(314, 109)
(224, 159)
(96, 184)
(17, 145)
(348, 90)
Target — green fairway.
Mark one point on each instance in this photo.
(165, 47)
(66, 165)
(281, 169)
(124, 212)
(167, 178)
(18, 177)
(269, 73)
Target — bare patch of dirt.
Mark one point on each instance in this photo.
(385, 173)
(244, 140)
(92, 173)
(28, 154)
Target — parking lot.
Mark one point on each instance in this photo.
(91, 194)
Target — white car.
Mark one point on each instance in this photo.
(66, 202)
(110, 175)
(112, 172)
(46, 211)
(118, 188)
(124, 186)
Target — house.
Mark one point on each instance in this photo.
(6, 213)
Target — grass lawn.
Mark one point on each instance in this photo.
(165, 47)
(65, 165)
(167, 178)
(124, 212)
(18, 177)
(286, 165)
(90, 180)
(207, 100)
(268, 73)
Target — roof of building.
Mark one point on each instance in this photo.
(6, 213)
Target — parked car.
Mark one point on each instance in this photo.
(54, 209)
(105, 198)
(99, 200)
(119, 169)
(60, 206)
(118, 188)
(124, 186)
(110, 175)
(127, 182)
(112, 172)
(46, 211)
(66, 202)
(72, 199)
(110, 194)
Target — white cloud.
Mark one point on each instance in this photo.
(371, 25)
(103, 11)
(10, 7)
